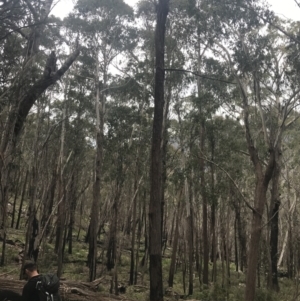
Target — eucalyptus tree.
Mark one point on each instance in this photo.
(263, 82)
(27, 78)
(104, 28)
(155, 209)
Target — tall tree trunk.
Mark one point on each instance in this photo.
(175, 241)
(190, 236)
(274, 215)
(94, 222)
(205, 246)
(256, 228)
(61, 216)
(72, 202)
(49, 201)
(263, 177)
(155, 206)
(134, 223)
(236, 249)
(213, 212)
(22, 200)
(241, 233)
(17, 187)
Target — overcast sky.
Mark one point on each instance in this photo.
(286, 8)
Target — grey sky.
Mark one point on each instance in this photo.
(286, 8)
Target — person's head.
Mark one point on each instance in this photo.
(30, 269)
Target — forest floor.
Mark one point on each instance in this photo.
(75, 269)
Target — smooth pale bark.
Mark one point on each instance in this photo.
(284, 244)
(274, 215)
(94, 221)
(155, 206)
(61, 210)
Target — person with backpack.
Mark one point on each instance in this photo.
(39, 287)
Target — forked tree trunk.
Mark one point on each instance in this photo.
(256, 229)
(263, 177)
(155, 206)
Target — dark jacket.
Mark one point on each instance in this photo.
(30, 292)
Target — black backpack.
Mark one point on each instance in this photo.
(48, 287)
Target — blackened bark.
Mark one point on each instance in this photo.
(275, 204)
(49, 201)
(155, 207)
(236, 250)
(27, 101)
(33, 250)
(175, 241)
(213, 212)
(205, 247)
(17, 187)
(22, 200)
(132, 265)
(190, 234)
(94, 222)
(274, 245)
(60, 225)
(93, 228)
(73, 203)
(241, 235)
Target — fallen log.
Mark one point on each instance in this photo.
(69, 290)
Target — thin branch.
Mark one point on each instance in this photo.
(116, 87)
(280, 29)
(17, 29)
(231, 179)
(201, 75)
(297, 3)
(38, 88)
(31, 8)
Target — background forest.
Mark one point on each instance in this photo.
(76, 166)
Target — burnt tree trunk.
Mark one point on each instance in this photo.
(274, 215)
(155, 206)
(205, 247)
(94, 222)
(22, 200)
(175, 241)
